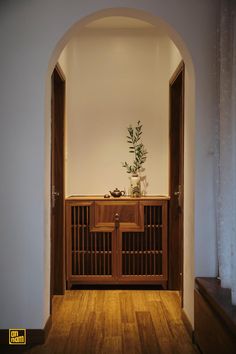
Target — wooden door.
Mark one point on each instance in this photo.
(176, 179)
(57, 182)
(142, 254)
(91, 253)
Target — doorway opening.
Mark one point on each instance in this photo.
(81, 25)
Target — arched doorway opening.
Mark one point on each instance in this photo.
(189, 122)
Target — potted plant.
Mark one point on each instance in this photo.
(139, 154)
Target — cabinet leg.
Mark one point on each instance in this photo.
(68, 285)
(164, 285)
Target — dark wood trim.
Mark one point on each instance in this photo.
(58, 281)
(60, 72)
(33, 337)
(176, 73)
(172, 252)
(182, 68)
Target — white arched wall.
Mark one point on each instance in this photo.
(32, 33)
(114, 77)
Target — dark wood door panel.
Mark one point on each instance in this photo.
(57, 183)
(176, 179)
(127, 213)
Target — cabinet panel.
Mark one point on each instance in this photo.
(128, 212)
(133, 250)
(90, 254)
(142, 252)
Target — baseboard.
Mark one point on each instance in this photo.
(187, 324)
(33, 336)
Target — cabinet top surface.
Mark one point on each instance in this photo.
(101, 197)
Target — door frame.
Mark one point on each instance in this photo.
(56, 252)
(180, 70)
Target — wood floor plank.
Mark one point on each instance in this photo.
(127, 307)
(82, 338)
(148, 339)
(112, 345)
(65, 316)
(165, 336)
(183, 341)
(152, 295)
(116, 321)
(112, 314)
(171, 301)
(84, 305)
(172, 313)
(140, 301)
(99, 300)
(130, 336)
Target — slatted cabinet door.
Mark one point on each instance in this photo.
(89, 254)
(143, 255)
(119, 241)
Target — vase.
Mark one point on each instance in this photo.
(135, 186)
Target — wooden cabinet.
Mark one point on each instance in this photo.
(118, 241)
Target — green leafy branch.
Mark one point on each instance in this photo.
(136, 147)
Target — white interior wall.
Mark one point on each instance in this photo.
(32, 38)
(114, 78)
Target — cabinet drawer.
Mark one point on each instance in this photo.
(128, 214)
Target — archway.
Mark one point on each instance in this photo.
(189, 124)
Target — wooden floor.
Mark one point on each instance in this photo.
(117, 321)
